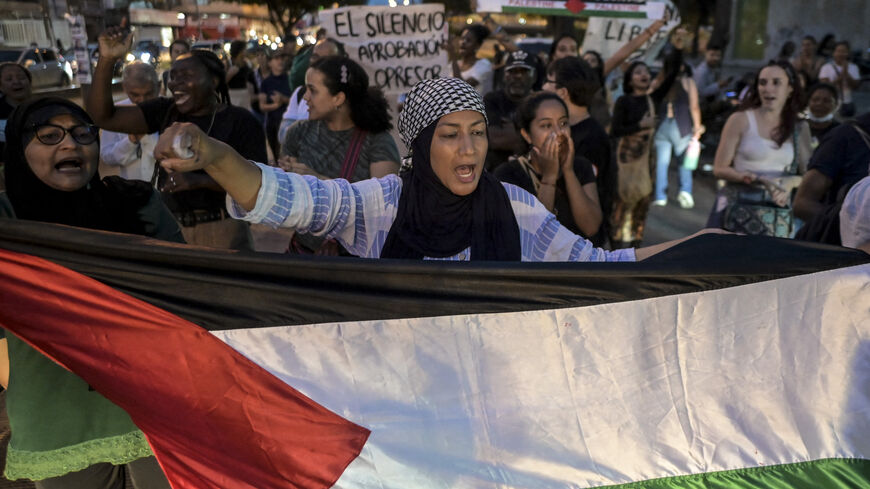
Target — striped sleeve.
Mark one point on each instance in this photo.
(358, 215)
(542, 238)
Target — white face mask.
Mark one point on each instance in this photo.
(825, 118)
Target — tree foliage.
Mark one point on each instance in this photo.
(285, 14)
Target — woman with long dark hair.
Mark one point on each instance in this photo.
(347, 131)
(345, 136)
(63, 433)
(550, 171)
(758, 144)
(200, 95)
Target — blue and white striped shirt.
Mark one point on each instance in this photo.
(360, 216)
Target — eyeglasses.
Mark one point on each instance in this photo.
(52, 134)
(551, 81)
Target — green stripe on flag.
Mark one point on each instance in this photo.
(832, 473)
(564, 12)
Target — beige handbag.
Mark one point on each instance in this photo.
(633, 153)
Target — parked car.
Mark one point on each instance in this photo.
(49, 69)
(146, 50)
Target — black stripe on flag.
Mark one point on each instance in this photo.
(229, 290)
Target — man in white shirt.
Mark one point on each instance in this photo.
(843, 75)
(133, 154)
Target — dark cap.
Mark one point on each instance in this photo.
(520, 59)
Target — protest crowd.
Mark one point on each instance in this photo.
(551, 157)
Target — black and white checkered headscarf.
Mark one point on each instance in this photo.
(431, 220)
(430, 100)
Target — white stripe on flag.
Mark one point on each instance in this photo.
(767, 373)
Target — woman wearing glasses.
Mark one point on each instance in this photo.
(64, 434)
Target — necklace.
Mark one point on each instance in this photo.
(211, 124)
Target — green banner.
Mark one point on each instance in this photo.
(567, 13)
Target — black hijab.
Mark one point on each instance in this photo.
(111, 204)
(433, 221)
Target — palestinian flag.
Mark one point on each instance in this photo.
(726, 361)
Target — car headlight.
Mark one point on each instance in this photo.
(146, 57)
(130, 57)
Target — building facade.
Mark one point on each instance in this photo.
(759, 28)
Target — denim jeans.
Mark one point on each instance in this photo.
(668, 141)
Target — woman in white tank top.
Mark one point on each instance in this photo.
(757, 147)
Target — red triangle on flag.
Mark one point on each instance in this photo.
(166, 372)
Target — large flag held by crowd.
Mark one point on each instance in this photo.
(726, 361)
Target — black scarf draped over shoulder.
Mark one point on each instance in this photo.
(111, 204)
(433, 221)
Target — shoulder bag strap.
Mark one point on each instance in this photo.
(864, 136)
(526, 166)
(351, 157)
(793, 168)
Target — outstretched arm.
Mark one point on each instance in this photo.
(631, 46)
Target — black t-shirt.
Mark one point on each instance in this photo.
(592, 142)
(232, 125)
(240, 80)
(842, 156)
(276, 83)
(5, 108)
(500, 111)
(513, 172)
(819, 134)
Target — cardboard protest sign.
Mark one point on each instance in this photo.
(79, 36)
(606, 34)
(398, 47)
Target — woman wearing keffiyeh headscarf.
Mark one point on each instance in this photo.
(63, 433)
(445, 206)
